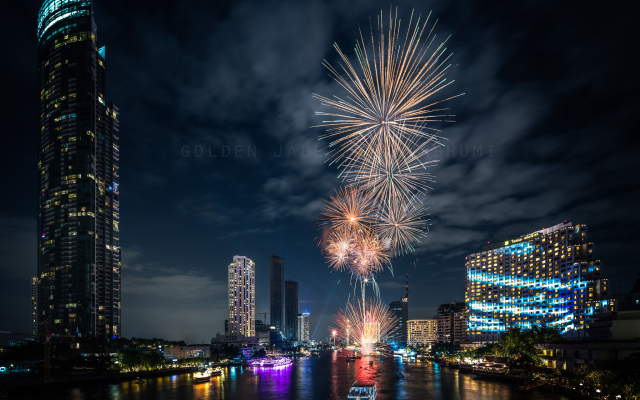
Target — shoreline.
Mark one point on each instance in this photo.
(35, 384)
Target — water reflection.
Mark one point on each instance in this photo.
(328, 376)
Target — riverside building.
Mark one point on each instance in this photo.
(242, 291)
(548, 277)
(422, 331)
(78, 262)
(452, 322)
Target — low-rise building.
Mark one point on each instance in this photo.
(617, 326)
(569, 355)
(234, 340)
(185, 352)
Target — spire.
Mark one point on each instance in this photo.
(406, 288)
(405, 299)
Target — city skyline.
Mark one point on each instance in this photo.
(520, 157)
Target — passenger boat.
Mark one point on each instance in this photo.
(273, 362)
(351, 358)
(216, 371)
(203, 376)
(363, 390)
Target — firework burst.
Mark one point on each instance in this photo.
(389, 104)
(362, 253)
(349, 211)
(365, 325)
(402, 225)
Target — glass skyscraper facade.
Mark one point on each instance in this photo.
(548, 277)
(78, 177)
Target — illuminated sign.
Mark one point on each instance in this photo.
(521, 239)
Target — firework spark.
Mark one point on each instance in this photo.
(365, 326)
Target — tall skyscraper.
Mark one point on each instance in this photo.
(547, 277)
(34, 305)
(422, 331)
(291, 310)
(78, 177)
(277, 293)
(401, 310)
(242, 291)
(303, 327)
(452, 322)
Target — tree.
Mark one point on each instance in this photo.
(520, 345)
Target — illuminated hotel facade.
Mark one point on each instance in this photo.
(422, 331)
(78, 262)
(242, 291)
(548, 277)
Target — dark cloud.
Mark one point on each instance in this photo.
(545, 132)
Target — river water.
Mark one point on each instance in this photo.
(324, 377)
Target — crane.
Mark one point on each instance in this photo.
(265, 316)
(47, 345)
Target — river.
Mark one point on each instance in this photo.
(324, 377)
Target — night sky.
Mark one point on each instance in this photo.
(550, 99)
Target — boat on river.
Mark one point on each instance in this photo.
(363, 390)
(272, 362)
(201, 376)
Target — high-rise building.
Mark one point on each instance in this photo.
(242, 292)
(303, 327)
(452, 322)
(401, 310)
(422, 331)
(547, 277)
(34, 305)
(291, 310)
(78, 177)
(277, 293)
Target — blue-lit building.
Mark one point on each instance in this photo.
(547, 277)
(78, 276)
(400, 310)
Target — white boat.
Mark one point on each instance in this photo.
(215, 371)
(363, 390)
(269, 363)
(199, 377)
(280, 362)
